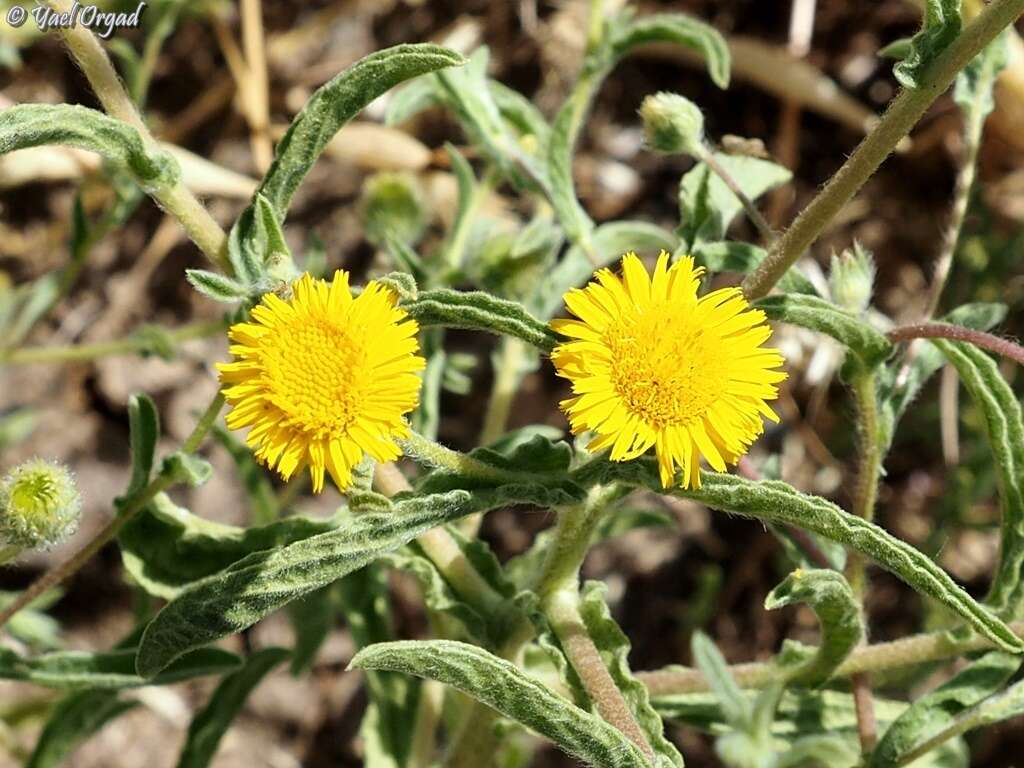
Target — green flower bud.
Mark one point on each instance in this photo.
(392, 205)
(673, 124)
(39, 505)
(852, 279)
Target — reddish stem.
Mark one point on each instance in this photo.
(991, 342)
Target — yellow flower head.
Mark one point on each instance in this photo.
(323, 378)
(651, 364)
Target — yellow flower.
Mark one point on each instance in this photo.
(653, 365)
(323, 378)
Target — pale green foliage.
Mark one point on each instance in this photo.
(503, 687)
(851, 279)
(75, 718)
(672, 124)
(942, 23)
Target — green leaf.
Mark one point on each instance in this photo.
(210, 723)
(186, 468)
(871, 346)
(736, 710)
(707, 206)
(75, 718)
(410, 100)
(31, 625)
(1004, 425)
(737, 256)
(71, 670)
(476, 310)
(628, 33)
(143, 432)
(216, 286)
(830, 597)
(935, 710)
(520, 112)
(166, 548)
(562, 188)
(257, 249)
(502, 686)
(614, 648)
(259, 584)
(337, 102)
(33, 125)
(973, 88)
(611, 242)
(776, 502)
(941, 26)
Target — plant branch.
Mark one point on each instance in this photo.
(176, 199)
(991, 342)
(425, 451)
(130, 508)
(896, 123)
(764, 229)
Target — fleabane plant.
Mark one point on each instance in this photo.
(670, 382)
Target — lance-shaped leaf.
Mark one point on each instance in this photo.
(211, 722)
(265, 581)
(337, 102)
(75, 718)
(1005, 429)
(476, 310)
(32, 125)
(166, 547)
(776, 502)
(936, 710)
(143, 432)
(614, 647)
(502, 686)
(70, 670)
(628, 33)
(813, 312)
(830, 597)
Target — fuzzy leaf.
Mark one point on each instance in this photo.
(476, 310)
(614, 648)
(166, 548)
(210, 723)
(776, 502)
(216, 286)
(256, 245)
(337, 102)
(611, 241)
(830, 597)
(935, 710)
(71, 670)
(736, 710)
(143, 433)
(942, 24)
(312, 619)
(33, 125)
(1004, 424)
(75, 718)
(259, 584)
(816, 313)
(678, 28)
(707, 206)
(574, 219)
(737, 256)
(503, 687)
(973, 88)
(186, 468)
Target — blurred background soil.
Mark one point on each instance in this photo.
(714, 571)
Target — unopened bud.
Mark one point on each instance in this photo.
(673, 124)
(851, 279)
(39, 505)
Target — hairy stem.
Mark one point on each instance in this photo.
(898, 654)
(1000, 346)
(764, 229)
(176, 199)
(132, 506)
(901, 116)
(433, 454)
(129, 345)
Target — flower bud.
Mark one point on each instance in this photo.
(851, 279)
(673, 124)
(39, 505)
(392, 205)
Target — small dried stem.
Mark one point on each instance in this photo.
(764, 229)
(256, 84)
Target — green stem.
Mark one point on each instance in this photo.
(129, 345)
(176, 199)
(507, 375)
(132, 506)
(764, 229)
(898, 654)
(901, 116)
(425, 451)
